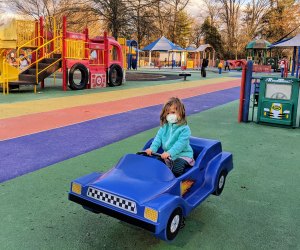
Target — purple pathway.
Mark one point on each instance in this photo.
(29, 153)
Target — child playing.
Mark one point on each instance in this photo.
(220, 66)
(23, 62)
(174, 137)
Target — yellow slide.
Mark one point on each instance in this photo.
(12, 33)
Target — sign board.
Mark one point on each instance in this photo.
(262, 68)
(98, 81)
(278, 101)
(76, 36)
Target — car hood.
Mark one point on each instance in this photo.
(136, 177)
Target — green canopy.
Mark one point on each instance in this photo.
(258, 44)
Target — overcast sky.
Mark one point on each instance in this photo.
(194, 7)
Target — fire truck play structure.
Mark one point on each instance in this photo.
(84, 62)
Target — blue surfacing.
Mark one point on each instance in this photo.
(32, 152)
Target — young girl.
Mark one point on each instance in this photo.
(174, 137)
(23, 62)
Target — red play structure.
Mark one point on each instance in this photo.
(235, 64)
(99, 60)
(84, 62)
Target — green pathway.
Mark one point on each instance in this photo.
(258, 209)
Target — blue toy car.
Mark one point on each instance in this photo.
(143, 191)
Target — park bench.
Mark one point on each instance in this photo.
(185, 75)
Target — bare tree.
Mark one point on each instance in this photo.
(196, 34)
(253, 14)
(143, 18)
(230, 16)
(114, 13)
(281, 18)
(213, 11)
(162, 14)
(80, 14)
(176, 6)
(33, 8)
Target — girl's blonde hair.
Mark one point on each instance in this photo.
(179, 108)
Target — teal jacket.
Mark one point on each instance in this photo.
(174, 139)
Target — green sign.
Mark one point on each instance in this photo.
(278, 101)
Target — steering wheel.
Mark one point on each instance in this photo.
(157, 155)
(279, 95)
(145, 154)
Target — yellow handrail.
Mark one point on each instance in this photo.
(52, 52)
(3, 73)
(5, 77)
(76, 49)
(30, 41)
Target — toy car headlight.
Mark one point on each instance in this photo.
(151, 214)
(76, 188)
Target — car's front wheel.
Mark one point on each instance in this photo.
(173, 224)
(220, 183)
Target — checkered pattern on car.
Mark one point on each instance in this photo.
(113, 200)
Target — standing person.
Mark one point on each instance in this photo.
(227, 65)
(220, 67)
(174, 137)
(203, 67)
(282, 67)
(134, 62)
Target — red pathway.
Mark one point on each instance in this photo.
(34, 123)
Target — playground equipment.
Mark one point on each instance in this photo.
(294, 43)
(279, 101)
(132, 54)
(246, 81)
(166, 53)
(277, 98)
(95, 61)
(194, 56)
(273, 61)
(143, 191)
(257, 50)
(236, 64)
(13, 33)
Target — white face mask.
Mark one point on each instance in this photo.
(172, 118)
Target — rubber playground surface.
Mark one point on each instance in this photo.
(51, 138)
